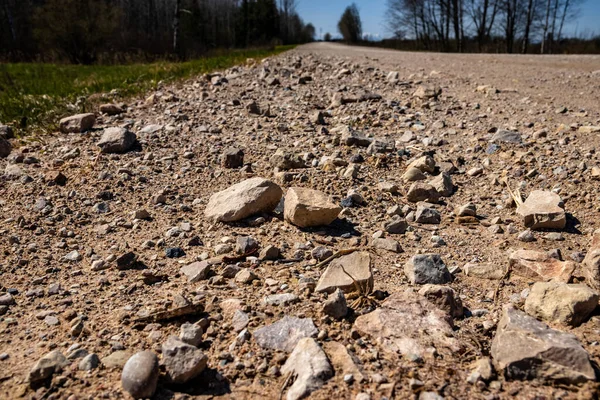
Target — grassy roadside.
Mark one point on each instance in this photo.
(36, 96)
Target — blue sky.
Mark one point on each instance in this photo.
(324, 15)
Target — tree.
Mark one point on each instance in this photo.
(327, 37)
(350, 26)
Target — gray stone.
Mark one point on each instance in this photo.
(484, 271)
(427, 215)
(504, 136)
(77, 123)
(245, 244)
(89, 362)
(352, 137)
(249, 197)
(182, 361)
(543, 210)
(280, 299)
(413, 174)
(269, 253)
(561, 302)
(310, 367)
(427, 268)
(116, 359)
(335, 306)
(443, 184)
(7, 300)
(5, 148)
(285, 334)
(526, 348)
(357, 265)
(111, 109)
(191, 334)
(116, 140)
(396, 225)
(284, 160)
(423, 164)
(140, 375)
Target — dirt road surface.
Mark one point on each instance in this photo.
(113, 240)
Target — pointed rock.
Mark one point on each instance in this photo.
(526, 348)
(309, 365)
(285, 333)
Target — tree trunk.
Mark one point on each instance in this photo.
(527, 26)
(176, 41)
(545, 31)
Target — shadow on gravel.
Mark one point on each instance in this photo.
(209, 383)
(572, 225)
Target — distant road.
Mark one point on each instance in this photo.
(566, 80)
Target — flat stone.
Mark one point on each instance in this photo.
(427, 92)
(310, 367)
(543, 210)
(77, 123)
(408, 324)
(352, 137)
(196, 271)
(307, 208)
(116, 140)
(396, 225)
(280, 299)
(357, 265)
(427, 268)
(285, 160)
(182, 361)
(387, 244)
(344, 363)
(89, 362)
(285, 334)
(413, 174)
(484, 271)
(539, 266)
(111, 109)
(505, 136)
(116, 359)
(526, 348)
(140, 375)
(560, 302)
(249, 197)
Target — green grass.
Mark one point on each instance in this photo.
(44, 93)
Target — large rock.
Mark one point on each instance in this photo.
(427, 268)
(307, 207)
(504, 136)
(484, 271)
(591, 262)
(526, 348)
(182, 361)
(357, 265)
(408, 324)
(196, 271)
(543, 210)
(117, 140)
(310, 367)
(140, 375)
(77, 123)
(285, 333)
(539, 266)
(443, 184)
(424, 164)
(249, 197)
(561, 302)
(46, 366)
(111, 109)
(420, 191)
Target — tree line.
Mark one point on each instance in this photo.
(93, 31)
(482, 25)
